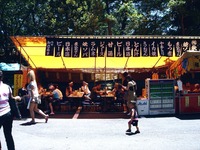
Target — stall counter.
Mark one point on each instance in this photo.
(188, 103)
(143, 107)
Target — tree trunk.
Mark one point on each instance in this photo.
(182, 25)
(108, 22)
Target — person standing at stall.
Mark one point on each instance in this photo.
(34, 98)
(124, 84)
(130, 92)
(6, 119)
(118, 92)
(180, 86)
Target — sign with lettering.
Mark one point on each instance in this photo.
(58, 48)
(67, 49)
(49, 47)
(18, 79)
(119, 47)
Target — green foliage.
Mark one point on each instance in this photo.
(184, 17)
(96, 17)
(99, 17)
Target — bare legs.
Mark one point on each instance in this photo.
(51, 108)
(34, 108)
(129, 127)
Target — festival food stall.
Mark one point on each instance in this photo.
(94, 58)
(187, 67)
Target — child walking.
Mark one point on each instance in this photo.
(134, 119)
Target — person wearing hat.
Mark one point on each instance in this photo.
(6, 118)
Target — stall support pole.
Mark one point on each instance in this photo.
(105, 70)
(95, 69)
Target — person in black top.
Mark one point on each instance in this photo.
(125, 83)
(23, 91)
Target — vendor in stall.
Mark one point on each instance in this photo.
(180, 85)
(187, 87)
(196, 88)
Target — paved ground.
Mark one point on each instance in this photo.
(64, 133)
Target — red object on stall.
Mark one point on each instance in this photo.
(189, 103)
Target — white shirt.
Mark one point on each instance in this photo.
(4, 97)
(180, 85)
(85, 89)
(33, 87)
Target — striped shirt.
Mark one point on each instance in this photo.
(4, 97)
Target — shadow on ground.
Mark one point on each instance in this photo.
(179, 116)
(116, 115)
(188, 116)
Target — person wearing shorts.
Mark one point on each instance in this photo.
(134, 119)
(34, 98)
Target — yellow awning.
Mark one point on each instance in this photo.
(33, 50)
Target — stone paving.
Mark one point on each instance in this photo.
(157, 133)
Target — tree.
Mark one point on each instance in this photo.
(95, 17)
(127, 17)
(154, 20)
(184, 17)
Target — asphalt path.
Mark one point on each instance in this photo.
(66, 133)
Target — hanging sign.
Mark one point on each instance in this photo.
(58, 47)
(93, 48)
(110, 47)
(119, 48)
(49, 47)
(153, 49)
(67, 49)
(85, 49)
(128, 48)
(101, 48)
(75, 49)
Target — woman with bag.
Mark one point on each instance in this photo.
(6, 119)
(34, 99)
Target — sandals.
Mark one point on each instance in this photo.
(32, 122)
(46, 118)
